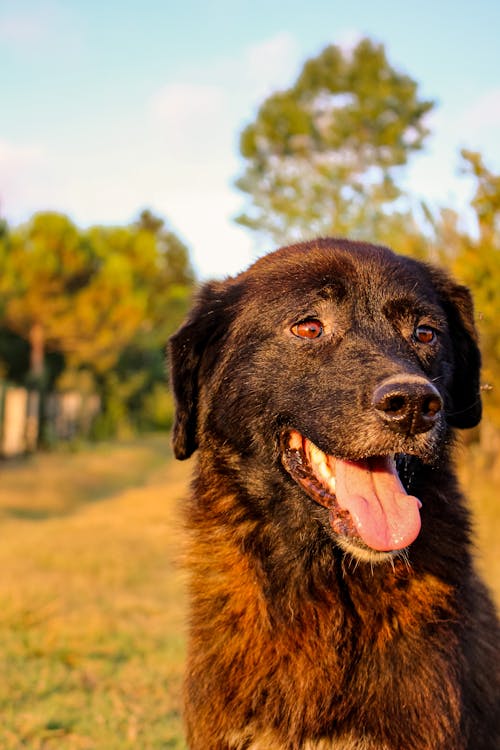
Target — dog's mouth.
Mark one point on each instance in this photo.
(367, 503)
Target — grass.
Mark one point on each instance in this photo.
(480, 478)
(91, 596)
(91, 605)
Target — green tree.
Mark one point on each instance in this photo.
(44, 266)
(322, 156)
(170, 279)
(473, 255)
(89, 294)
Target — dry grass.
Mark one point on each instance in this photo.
(91, 602)
(91, 607)
(480, 477)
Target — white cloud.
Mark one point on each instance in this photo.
(19, 28)
(435, 174)
(180, 105)
(270, 64)
(193, 125)
(473, 124)
(200, 119)
(45, 26)
(194, 121)
(348, 40)
(217, 97)
(483, 113)
(203, 219)
(22, 171)
(14, 156)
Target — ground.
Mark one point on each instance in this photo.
(91, 605)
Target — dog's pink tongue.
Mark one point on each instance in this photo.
(385, 516)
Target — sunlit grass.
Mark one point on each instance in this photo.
(91, 605)
(480, 476)
(91, 595)
(45, 485)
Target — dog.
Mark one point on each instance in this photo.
(334, 603)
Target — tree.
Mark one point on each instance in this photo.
(474, 257)
(44, 266)
(322, 156)
(89, 294)
(486, 200)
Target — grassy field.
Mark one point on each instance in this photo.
(91, 602)
(91, 606)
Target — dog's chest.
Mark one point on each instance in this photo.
(267, 740)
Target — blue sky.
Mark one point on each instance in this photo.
(110, 107)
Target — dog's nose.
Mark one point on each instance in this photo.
(410, 405)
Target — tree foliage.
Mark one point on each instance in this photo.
(90, 293)
(45, 266)
(322, 156)
(473, 255)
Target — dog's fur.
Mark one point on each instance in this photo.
(301, 636)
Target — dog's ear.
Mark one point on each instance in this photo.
(465, 408)
(186, 352)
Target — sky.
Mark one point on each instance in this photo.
(107, 108)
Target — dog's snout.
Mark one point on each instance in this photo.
(408, 405)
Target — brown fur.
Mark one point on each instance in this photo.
(295, 644)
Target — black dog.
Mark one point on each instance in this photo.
(334, 604)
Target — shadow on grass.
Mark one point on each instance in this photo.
(29, 514)
(56, 484)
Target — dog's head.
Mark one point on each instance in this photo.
(323, 365)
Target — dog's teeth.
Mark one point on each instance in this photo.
(320, 462)
(321, 466)
(323, 470)
(295, 440)
(316, 455)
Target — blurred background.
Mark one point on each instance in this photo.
(146, 147)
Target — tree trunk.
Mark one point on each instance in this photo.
(37, 350)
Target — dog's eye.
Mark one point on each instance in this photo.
(424, 334)
(308, 329)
